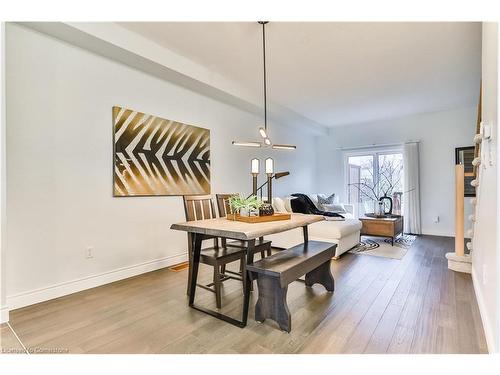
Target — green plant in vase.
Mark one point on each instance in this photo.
(245, 206)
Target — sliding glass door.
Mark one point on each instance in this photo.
(372, 174)
(391, 178)
(360, 174)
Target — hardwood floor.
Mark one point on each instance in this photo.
(380, 305)
(9, 344)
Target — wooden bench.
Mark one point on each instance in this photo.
(274, 273)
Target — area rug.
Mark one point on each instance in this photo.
(381, 247)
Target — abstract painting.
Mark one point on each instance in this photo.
(154, 156)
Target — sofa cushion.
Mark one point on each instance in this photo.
(343, 233)
(334, 229)
(334, 207)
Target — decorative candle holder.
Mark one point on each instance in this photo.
(255, 173)
(269, 172)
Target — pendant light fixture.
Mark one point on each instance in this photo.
(263, 130)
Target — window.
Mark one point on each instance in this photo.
(371, 174)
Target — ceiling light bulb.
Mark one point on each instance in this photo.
(262, 132)
(247, 144)
(285, 147)
(267, 141)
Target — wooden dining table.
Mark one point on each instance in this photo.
(235, 230)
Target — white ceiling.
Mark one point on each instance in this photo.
(338, 73)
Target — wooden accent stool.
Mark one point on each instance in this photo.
(199, 207)
(274, 273)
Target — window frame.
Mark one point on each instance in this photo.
(369, 151)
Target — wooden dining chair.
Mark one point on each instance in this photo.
(200, 207)
(261, 246)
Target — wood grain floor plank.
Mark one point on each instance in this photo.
(361, 336)
(406, 327)
(9, 344)
(330, 332)
(413, 305)
(384, 332)
(426, 330)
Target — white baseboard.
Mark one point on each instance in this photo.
(437, 233)
(441, 234)
(62, 289)
(4, 315)
(489, 332)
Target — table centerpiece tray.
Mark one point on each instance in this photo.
(259, 219)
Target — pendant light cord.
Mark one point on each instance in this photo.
(265, 80)
(263, 131)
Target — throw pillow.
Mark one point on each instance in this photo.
(323, 199)
(314, 199)
(288, 204)
(338, 208)
(279, 205)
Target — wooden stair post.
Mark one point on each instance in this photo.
(459, 210)
(459, 261)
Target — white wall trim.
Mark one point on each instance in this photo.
(437, 233)
(489, 331)
(58, 290)
(4, 315)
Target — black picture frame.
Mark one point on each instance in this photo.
(465, 155)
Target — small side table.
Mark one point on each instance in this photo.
(382, 227)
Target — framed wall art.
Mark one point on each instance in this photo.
(154, 156)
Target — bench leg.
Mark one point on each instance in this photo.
(321, 275)
(272, 303)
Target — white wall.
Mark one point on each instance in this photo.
(59, 167)
(4, 311)
(485, 241)
(440, 133)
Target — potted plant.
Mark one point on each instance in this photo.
(245, 206)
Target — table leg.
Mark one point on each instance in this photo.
(195, 262)
(248, 283)
(190, 261)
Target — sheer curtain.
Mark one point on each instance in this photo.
(411, 195)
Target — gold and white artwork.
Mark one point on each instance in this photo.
(155, 156)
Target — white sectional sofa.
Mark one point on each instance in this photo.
(343, 233)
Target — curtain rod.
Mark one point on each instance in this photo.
(374, 145)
